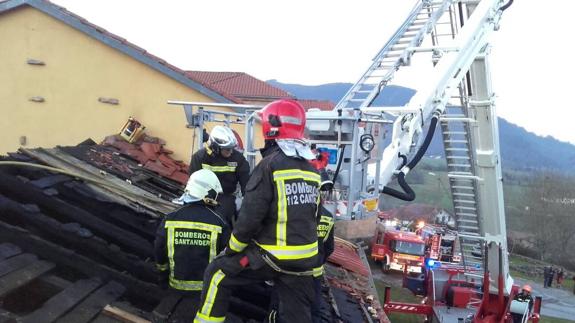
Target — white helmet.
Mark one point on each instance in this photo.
(203, 185)
(222, 138)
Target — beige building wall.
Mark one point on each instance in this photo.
(78, 71)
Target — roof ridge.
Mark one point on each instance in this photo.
(235, 75)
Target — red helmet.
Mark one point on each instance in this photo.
(283, 119)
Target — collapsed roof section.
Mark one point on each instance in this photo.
(92, 222)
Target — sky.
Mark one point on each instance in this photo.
(328, 41)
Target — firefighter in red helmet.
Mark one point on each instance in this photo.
(525, 297)
(275, 236)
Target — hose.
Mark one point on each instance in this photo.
(408, 194)
(338, 163)
(425, 144)
(84, 178)
(507, 5)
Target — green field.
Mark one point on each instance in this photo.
(431, 185)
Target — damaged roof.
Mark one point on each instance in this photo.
(102, 211)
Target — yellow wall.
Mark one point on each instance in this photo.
(79, 70)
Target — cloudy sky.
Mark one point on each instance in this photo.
(327, 41)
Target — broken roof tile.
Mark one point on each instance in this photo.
(346, 256)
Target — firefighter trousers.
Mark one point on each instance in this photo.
(226, 273)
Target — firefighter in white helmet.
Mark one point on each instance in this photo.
(191, 237)
(220, 156)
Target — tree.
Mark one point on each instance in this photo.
(549, 214)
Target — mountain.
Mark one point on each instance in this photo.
(520, 149)
(390, 96)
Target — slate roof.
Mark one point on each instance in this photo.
(120, 44)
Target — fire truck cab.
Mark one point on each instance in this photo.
(398, 250)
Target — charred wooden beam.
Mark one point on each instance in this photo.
(16, 262)
(62, 302)
(27, 193)
(23, 276)
(68, 258)
(81, 195)
(74, 236)
(8, 250)
(120, 191)
(94, 304)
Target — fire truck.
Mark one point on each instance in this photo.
(441, 242)
(373, 148)
(398, 250)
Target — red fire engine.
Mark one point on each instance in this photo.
(441, 243)
(398, 250)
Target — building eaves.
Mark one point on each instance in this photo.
(119, 44)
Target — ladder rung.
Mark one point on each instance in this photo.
(468, 217)
(465, 176)
(466, 214)
(450, 119)
(463, 194)
(393, 54)
(468, 227)
(462, 180)
(455, 174)
(409, 34)
(467, 221)
(399, 47)
(414, 28)
(404, 40)
(463, 202)
(465, 208)
(459, 165)
(455, 133)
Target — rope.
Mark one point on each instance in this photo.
(283, 271)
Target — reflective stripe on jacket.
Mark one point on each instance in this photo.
(324, 239)
(230, 171)
(279, 211)
(186, 241)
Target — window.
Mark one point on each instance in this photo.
(410, 248)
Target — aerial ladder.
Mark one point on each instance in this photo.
(375, 145)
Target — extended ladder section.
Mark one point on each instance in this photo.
(471, 146)
(458, 91)
(396, 53)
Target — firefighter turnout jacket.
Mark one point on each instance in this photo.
(186, 241)
(230, 171)
(279, 211)
(325, 239)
